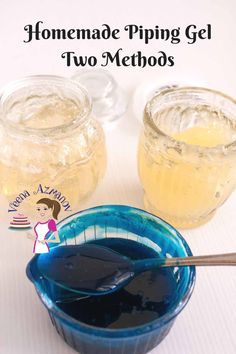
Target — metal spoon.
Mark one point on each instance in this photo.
(95, 270)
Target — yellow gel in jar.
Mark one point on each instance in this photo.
(51, 146)
(187, 155)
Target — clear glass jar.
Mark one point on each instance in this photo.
(49, 139)
(187, 154)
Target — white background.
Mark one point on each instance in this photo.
(208, 324)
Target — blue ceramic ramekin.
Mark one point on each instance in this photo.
(134, 224)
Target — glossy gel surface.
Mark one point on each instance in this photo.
(144, 299)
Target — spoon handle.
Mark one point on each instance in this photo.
(226, 259)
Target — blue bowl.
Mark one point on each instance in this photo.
(116, 221)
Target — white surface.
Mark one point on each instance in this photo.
(208, 324)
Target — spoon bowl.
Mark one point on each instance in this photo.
(86, 269)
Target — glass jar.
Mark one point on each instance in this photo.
(50, 144)
(187, 154)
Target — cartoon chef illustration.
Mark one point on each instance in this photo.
(47, 211)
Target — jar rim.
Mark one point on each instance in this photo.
(149, 121)
(39, 80)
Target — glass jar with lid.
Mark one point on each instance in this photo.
(51, 145)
